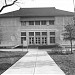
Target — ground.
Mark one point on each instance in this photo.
(8, 58)
(65, 62)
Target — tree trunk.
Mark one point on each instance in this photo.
(71, 46)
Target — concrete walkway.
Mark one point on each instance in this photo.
(33, 63)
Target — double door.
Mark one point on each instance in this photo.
(31, 40)
(44, 40)
(38, 40)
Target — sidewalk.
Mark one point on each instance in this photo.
(33, 63)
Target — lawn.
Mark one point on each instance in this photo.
(65, 62)
(8, 58)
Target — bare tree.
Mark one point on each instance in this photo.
(6, 4)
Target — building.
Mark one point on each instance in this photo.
(37, 26)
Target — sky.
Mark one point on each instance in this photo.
(59, 4)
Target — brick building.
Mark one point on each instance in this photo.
(37, 26)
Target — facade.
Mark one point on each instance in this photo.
(37, 26)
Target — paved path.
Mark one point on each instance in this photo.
(33, 63)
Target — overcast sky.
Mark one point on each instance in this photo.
(59, 4)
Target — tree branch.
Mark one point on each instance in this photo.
(5, 2)
(6, 5)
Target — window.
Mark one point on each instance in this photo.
(43, 22)
(37, 22)
(51, 22)
(44, 33)
(52, 33)
(31, 33)
(31, 22)
(23, 23)
(23, 33)
(52, 39)
(37, 33)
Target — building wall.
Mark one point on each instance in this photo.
(10, 31)
(60, 22)
(11, 28)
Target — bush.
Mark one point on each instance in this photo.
(49, 46)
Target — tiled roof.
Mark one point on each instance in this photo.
(27, 12)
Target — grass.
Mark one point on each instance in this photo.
(65, 62)
(8, 58)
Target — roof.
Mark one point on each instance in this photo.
(33, 12)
